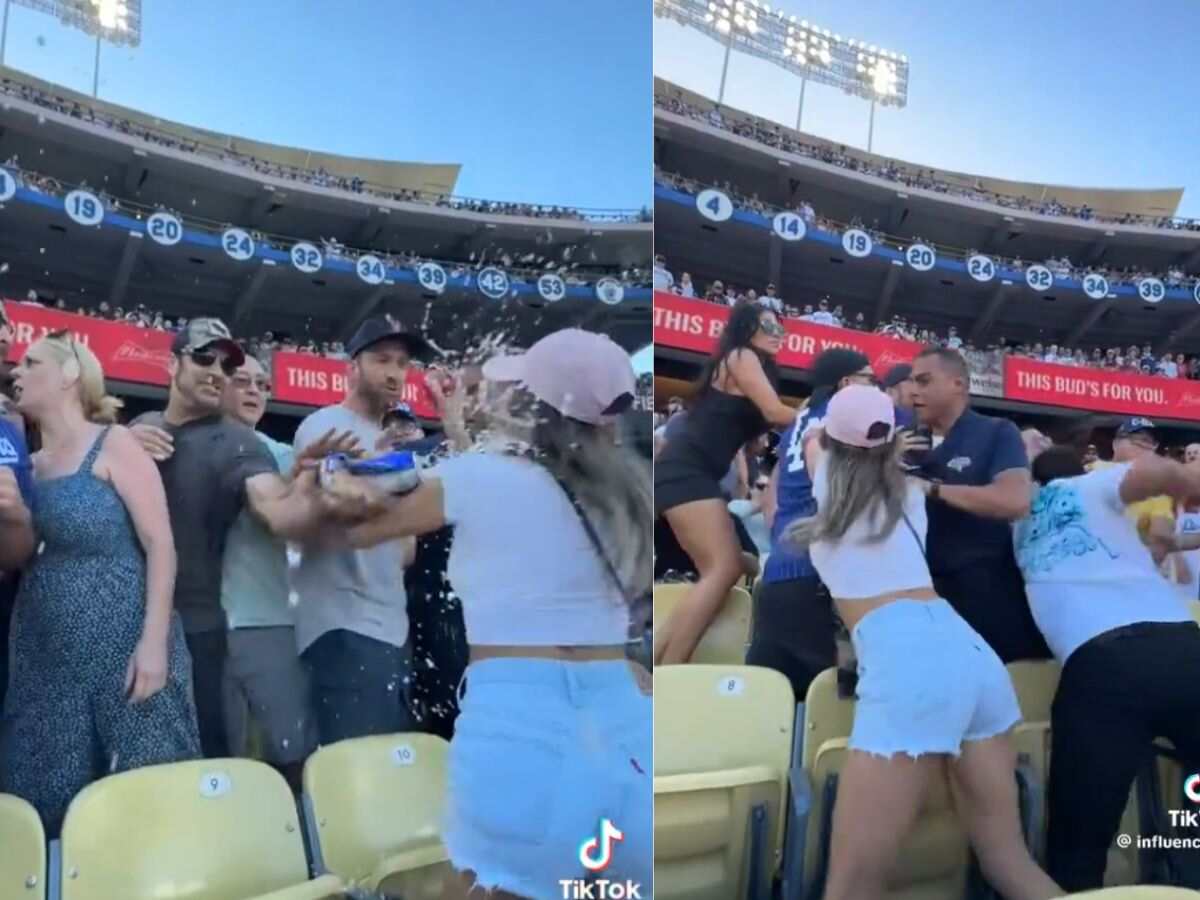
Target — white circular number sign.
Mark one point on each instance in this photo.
(370, 269)
(981, 267)
(857, 243)
(610, 291)
(1039, 278)
(789, 226)
(1095, 286)
(432, 277)
(238, 244)
(714, 205)
(164, 228)
(920, 257)
(307, 258)
(731, 686)
(8, 185)
(493, 282)
(1151, 290)
(215, 784)
(552, 288)
(1196, 292)
(84, 207)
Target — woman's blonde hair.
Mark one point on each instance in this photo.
(74, 358)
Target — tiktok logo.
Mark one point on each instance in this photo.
(1191, 787)
(596, 852)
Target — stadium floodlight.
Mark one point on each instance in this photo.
(814, 53)
(118, 22)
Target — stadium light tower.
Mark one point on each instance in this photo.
(864, 70)
(117, 21)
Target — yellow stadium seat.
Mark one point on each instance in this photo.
(722, 749)
(933, 863)
(22, 851)
(373, 807)
(725, 641)
(213, 829)
(1138, 892)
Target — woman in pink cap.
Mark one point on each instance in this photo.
(931, 692)
(550, 762)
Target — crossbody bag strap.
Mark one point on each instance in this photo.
(595, 539)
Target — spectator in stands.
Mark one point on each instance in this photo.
(750, 511)
(16, 531)
(980, 477)
(900, 387)
(918, 710)
(686, 288)
(212, 468)
(736, 401)
(264, 680)
(1167, 366)
(716, 293)
(351, 620)
(794, 627)
(100, 671)
(663, 279)
(1129, 648)
(548, 689)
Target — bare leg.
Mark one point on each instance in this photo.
(877, 802)
(705, 532)
(985, 793)
(461, 886)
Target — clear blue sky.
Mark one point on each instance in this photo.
(539, 100)
(1097, 93)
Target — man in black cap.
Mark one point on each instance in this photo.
(212, 467)
(899, 385)
(351, 619)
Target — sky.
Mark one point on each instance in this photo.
(544, 101)
(1088, 93)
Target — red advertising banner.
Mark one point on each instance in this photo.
(140, 355)
(1098, 390)
(689, 324)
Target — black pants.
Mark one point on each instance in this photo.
(1118, 692)
(991, 597)
(208, 650)
(793, 631)
(360, 686)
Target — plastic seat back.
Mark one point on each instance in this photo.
(726, 639)
(22, 851)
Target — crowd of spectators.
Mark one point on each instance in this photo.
(789, 140)
(319, 177)
(1061, 267)
(982, 358)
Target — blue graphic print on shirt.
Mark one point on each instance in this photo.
(1055, 530)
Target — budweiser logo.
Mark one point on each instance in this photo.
(134, 353)
(889, 359)
(1187, 398)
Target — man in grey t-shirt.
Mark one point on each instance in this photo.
(352, 616)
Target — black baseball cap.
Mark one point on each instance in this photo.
(204, 332)
(897, 374)
(382, 328)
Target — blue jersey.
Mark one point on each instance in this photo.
(14, 455)
(793, 500)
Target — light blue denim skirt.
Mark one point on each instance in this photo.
(543, 750)
(927, 682)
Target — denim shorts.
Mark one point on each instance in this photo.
(543, 750)
(927, 682)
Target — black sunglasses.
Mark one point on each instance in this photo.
(206, 359)
(772, 328)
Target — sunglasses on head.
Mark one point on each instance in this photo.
(206, 359)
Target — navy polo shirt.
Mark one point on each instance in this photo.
(14, 455)
(974, 452)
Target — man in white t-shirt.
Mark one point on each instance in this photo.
(823, 316)
(1129, 648)
(663, 279)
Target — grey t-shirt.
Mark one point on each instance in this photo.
(356, 590)
(205, 481)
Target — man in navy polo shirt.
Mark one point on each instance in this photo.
(16, 529)
(981, 484)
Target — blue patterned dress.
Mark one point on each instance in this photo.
(78, 618)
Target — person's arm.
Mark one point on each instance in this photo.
(16, 524)
(419, 512)
(1010, 492)
(741, 485)
(287, 509)
(1153, 476)
(136, 479)
(746, 369)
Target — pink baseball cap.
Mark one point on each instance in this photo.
(861, 415)
(579, 373)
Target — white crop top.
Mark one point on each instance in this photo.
(856, 569)
(521, 561)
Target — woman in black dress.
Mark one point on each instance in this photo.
(736, 402)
